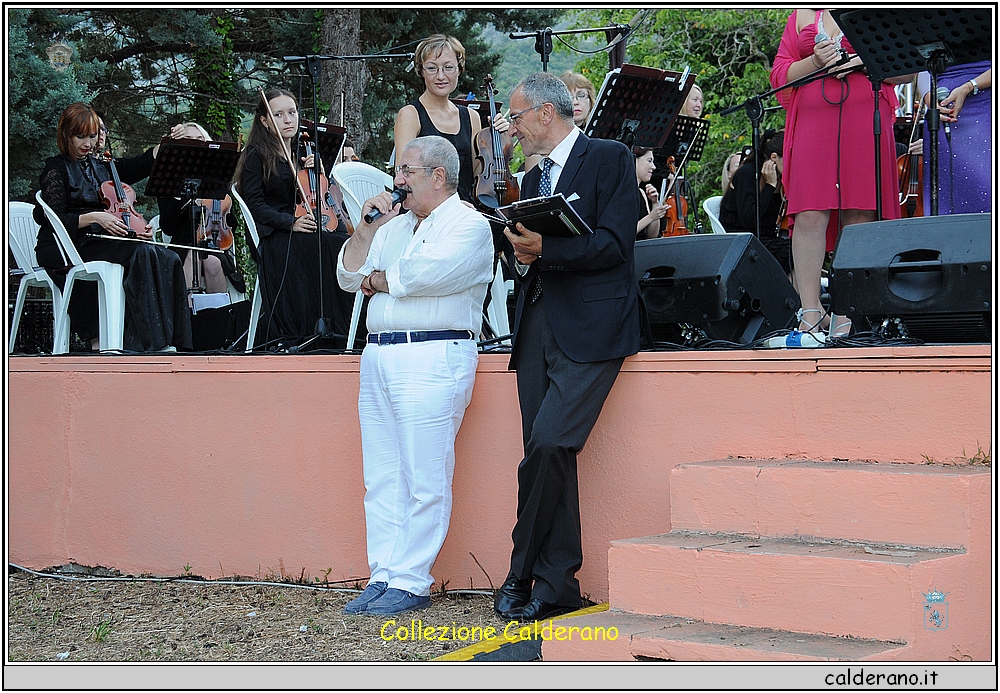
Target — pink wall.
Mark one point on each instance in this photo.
(251, 465)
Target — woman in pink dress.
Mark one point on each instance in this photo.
(829, 152)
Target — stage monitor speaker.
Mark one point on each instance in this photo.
(728, 285)
(931, 273)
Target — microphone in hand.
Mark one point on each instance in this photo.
(398, 195)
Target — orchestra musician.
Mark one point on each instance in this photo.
(175, 221)
(347, 152)
(829, 158)
(439, 61)
(650, 210)
(694, 104)
(157, 316)
(288, 260)
(737, 208)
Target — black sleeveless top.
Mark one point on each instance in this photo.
(462, 141)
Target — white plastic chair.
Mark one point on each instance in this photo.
(359, 182)
(496, 312)
(362, 180)
(256, 305)
(711, 207)
(22, 234)
(110, 291)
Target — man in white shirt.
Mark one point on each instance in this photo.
(427, 272)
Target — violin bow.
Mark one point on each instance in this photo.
(281, 141)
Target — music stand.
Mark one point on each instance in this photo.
(686, 142)
(638, 105)
(480, 107)
(331, 140)
(191, 169)
(895, 42)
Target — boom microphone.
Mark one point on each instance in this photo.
(398, 195)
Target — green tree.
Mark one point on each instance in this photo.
(729, 51)
(37, 93)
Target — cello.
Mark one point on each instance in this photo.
(495, 185)
(119, 199)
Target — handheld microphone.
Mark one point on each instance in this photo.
(942, 94)
(398, 195)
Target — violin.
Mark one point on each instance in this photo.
(119, 199)
(677, 207)
(495, 185)
(315, 190)
(213, 228)
(334, 196)
(911, 177)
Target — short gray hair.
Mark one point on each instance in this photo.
(436, 151)
(543, 87)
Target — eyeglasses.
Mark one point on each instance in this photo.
(514, 116)
(103, 130)
(405, 170)
(581, 95)
(448, 69)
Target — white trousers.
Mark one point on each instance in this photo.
(411, 403)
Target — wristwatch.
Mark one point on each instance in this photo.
(975, 87)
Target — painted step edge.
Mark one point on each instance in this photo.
(786, 585)
(886, 503)
(682, 639)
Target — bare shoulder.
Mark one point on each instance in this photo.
(407, 115)
(803, 18)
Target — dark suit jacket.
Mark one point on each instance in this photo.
(588, 281)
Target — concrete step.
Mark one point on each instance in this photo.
(866, 591)
(884, 503)
(688, 640)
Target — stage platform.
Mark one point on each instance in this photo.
(251, 465)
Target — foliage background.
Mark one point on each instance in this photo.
(147, 69)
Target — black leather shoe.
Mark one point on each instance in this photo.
(537, 610)
(513, 594)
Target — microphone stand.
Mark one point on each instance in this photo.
(754, 107)
(543, 38)
(313, 66)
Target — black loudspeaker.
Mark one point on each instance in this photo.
(931, 273)
(217, 328)
(727, 284)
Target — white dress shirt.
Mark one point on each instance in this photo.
(437, 276)
(560, 154)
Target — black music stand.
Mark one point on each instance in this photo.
(638, 105)
(685, 143)
(895, 42)
(331, 140)
(480, 107)
(191, 169)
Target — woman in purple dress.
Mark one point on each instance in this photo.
(965, 154)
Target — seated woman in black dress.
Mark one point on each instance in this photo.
(292, 263)
(651, 212)
(736, 210)
(156, 313)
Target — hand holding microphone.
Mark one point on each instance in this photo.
(383, 204)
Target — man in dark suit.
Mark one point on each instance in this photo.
(577, 319)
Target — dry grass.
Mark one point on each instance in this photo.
(212, 622)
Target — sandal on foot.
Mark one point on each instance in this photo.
(840, 326)
(810, 326)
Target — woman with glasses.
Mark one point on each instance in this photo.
(583, 94)
(439, 60)
(292, 264)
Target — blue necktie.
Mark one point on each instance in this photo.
(544, 190)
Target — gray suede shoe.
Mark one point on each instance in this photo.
(359, 604)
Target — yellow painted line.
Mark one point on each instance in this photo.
(467, 653)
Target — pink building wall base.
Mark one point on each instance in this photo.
(251, 465)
